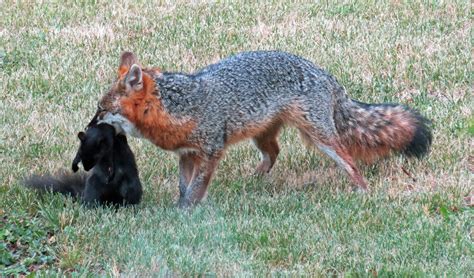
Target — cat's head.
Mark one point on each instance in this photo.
(95, 144)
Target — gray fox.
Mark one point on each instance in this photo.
(252, 95)
(114, 179)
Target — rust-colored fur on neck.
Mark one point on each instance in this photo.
(145, 111)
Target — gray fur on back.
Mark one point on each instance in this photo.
(250, 88)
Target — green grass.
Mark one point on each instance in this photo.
(57, 60)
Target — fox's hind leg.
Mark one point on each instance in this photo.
(346, 162)
(326, 141)
(267, 143)
(315, 124)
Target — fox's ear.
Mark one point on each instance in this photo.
(127, 59)
(134, 79)
(81, 135)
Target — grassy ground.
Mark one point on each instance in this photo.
(57, 60)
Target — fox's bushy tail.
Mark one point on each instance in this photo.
(371, 131)
(64, 183)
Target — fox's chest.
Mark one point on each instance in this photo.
(169, 138)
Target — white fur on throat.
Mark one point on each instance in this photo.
(121, 124)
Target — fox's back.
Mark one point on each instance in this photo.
(256, 86)
(262, 71)
(257, 79)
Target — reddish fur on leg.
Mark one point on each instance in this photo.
(267, 143)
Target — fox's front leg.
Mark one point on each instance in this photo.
(188, 164)
(202, 175)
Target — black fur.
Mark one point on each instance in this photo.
(64, 183)
(421, 141)
(114, 178)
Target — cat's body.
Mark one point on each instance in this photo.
(114, 178)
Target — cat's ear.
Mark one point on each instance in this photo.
(82, 136)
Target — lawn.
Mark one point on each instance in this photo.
(56, 60)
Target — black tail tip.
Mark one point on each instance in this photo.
(421, 142)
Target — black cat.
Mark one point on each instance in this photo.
(114, 177)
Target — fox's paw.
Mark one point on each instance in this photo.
(263, 168)
(359, 189)
(184, 204)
